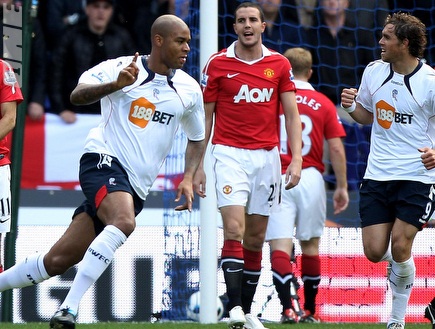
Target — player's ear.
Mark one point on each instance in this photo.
(158, 40)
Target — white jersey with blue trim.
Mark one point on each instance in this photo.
(140, 121)
(403, 108)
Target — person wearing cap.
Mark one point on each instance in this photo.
(84, 45)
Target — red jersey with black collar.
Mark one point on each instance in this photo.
(247, 97)
(9, 92)
(319, 120)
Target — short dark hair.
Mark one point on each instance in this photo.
(407, 26)
(250, 5)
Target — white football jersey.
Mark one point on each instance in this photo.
(140, 121)
(403, 108)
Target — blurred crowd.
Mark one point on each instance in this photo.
(70, 36)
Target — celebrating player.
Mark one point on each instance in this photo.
(143, 100)
(397, 194)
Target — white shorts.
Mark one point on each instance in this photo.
(5, 199)
(250, 178)
(303, 208)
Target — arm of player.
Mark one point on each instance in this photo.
(85, 94)
(8, 118)
(293, 128)
(338, 161)
(199, 180)
(194, 152)
(355, 110)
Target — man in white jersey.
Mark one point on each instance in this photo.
(243, 87)
(397, 97)
(143, 100)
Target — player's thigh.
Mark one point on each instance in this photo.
(281, 222)
(310, 199)
(378, 200)
(231, 181)
(117, 208)
(265, 182)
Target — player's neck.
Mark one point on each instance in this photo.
(248, 53)
(406, 65)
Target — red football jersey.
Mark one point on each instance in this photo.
(9, 92)
(247, 97)
(320, 121)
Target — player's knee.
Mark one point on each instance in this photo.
(58, 264)
(373, 255)
(126, 225)
(254, 242)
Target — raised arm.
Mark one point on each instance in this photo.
(85, 94)
(355, 110)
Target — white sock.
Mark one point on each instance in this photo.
(95, 261)
(25, 273)
(401, 281)
(387, 257)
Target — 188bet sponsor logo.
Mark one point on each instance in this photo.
(386, 114)
(142, 111)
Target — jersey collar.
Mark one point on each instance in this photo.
(231, 50)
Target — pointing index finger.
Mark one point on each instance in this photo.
(136, 55)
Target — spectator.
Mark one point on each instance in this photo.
(280, 32)
(226, 10)
(130, 14)
(369, 14)
(58, 16)
(10, 97)
(306, 9)
(304, 208)
(340, 49)
(83, 46)
(37, 77)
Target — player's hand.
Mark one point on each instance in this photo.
(348, 97)
(185, 188)
(427, 157)
(292, 175)
(199, 181)
(340, 200)
(129, 74)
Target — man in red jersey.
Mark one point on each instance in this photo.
(304, 208)
(243, 86)
(10, 97)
